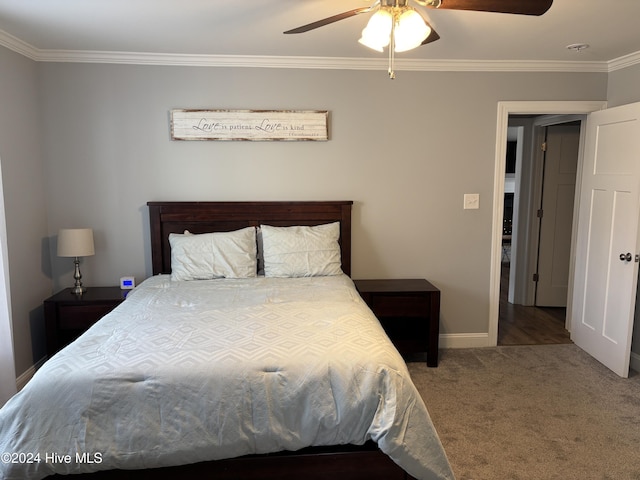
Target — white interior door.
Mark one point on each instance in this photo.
(605, 280)
(558, 191)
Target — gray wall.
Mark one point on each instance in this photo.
(623, 86)
(24, 189)
(405, 151)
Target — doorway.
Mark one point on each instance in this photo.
(505, 110)
(553, 144)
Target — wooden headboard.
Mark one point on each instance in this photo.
(204, 217)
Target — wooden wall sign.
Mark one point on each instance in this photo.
(249, 125)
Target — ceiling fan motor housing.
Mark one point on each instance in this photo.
(404, 3)
(394, 3)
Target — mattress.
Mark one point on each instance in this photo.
(183, 372)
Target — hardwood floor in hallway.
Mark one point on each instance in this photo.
(529, 325)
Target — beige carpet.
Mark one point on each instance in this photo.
(533, 413)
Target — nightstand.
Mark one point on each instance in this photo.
(67, 315)
(409, 311)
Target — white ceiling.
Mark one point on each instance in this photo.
(50, 29)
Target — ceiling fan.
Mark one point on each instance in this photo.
(401, 27)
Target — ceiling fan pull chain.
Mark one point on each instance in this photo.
(392, 49)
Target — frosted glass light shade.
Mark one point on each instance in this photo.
(377, 33)
(75, 242)
(410, 31)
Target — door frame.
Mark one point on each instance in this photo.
(522, 108)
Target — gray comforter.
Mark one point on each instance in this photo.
(183, 372)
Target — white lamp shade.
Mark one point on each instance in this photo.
(378, 30)
(75, 242)
(410, 31)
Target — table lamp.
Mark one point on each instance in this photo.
(76, 242)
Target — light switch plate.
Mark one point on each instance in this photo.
(471, 201)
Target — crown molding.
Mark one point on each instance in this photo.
(18, 46)
(624, 61)
(329, 63)
(499, 66)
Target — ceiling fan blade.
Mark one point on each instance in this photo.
(520, 7)
(327, 21)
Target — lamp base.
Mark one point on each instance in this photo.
(77, 289)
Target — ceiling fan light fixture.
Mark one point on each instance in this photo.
(397, 25)
(410, 30)
(377, 33)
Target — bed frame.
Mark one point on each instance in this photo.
(350, 462)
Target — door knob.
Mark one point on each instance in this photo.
(626, 257)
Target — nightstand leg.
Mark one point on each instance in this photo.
(432, 356)
(434, 331)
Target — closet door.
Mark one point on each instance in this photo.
(554, 247)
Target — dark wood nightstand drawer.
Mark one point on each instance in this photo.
(74, 318)
(400, 305)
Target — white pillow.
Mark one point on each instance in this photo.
(213, 255)
(301, 251)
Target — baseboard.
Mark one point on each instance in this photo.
(23, 379)
(634, 364)
(464, 340)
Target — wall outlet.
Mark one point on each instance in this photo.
(471, 201)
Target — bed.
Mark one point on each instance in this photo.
(163, 386)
